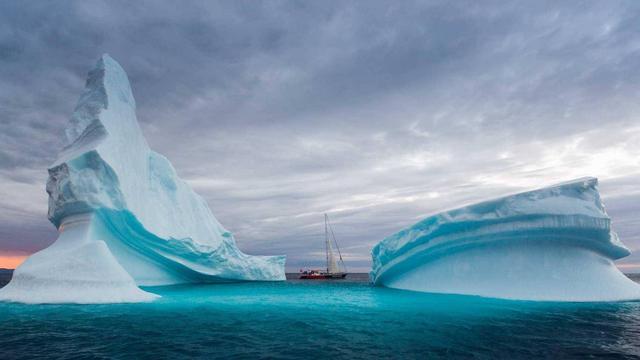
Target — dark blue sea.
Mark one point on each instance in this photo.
(319, 319)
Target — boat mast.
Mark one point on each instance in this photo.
(326, 240)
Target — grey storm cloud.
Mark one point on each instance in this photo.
(378, 113)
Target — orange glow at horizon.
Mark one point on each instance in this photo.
(628, 266)
(11, 261)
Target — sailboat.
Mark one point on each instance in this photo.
(335, 266)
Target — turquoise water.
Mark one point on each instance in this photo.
(318, 319)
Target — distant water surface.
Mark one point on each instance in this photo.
(319, 319)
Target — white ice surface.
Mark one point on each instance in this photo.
(77, 268)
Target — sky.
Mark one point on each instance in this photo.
(378, 113)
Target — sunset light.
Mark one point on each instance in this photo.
(11, 261)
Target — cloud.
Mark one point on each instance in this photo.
(376, 112)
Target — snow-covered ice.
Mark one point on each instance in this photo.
(125, 218)
(554, 243)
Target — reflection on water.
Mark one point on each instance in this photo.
(319, 319)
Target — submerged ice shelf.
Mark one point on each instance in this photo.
(554, 243)
(125, 218)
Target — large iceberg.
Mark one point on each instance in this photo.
(125, 218)
(554, 243)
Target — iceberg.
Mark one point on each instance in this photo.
(125, 219)
(551, 244)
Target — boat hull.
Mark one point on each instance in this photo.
(322, 276)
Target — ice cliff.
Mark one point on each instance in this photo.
(124, 217)
(554, 243)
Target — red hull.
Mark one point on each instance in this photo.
(322, 276)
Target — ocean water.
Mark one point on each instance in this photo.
(318, 319)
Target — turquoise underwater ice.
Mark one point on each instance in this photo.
(313, 320)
